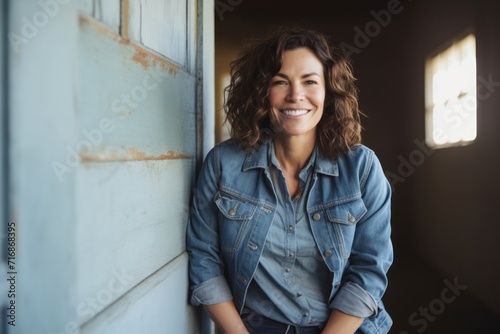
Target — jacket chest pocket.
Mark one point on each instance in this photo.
(344, 218)
(234, 220)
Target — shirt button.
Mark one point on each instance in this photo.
(306, 314)
(299, 294)
(328, 253)
(290, 228)
(316, 216)
(291, 254)
(288, 270)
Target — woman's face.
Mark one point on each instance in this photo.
(297, 94)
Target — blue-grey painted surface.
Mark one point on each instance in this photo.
(42, 120)
(149, 102)
(105, 135)
(172, 42)
(3, 170)
(105, 11)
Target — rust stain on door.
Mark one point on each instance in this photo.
(132, 154)
(136, 154)
(147, 59)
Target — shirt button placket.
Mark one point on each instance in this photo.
(290, 252)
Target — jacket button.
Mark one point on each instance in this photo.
(337, 285)
(316, 216)
(232, 212)
(328, 253)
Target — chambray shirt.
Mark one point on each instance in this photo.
(347, 206)
(292, 283)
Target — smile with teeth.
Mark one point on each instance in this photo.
(294, 112)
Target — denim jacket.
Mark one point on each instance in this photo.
(348, 208)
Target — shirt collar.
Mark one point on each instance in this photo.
(260, 159)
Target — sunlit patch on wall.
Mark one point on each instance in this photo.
(450, 95)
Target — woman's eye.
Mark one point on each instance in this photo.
(311, 82)
(279, 82)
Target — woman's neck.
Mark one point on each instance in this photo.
(293, 152)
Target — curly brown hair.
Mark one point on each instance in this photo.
(247, 101)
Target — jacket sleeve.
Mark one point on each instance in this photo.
(206, 267)
(365, 278)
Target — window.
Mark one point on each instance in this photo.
(168, 27)
(450, 95)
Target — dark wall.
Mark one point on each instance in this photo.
(455, 192)
(443, 205)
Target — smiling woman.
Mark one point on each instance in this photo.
(249, 90)
(290, 231)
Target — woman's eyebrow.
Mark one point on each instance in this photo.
(302, 77)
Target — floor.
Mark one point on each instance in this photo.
(415, 301)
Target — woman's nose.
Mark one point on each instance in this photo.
(295, 93)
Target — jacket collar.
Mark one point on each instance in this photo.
(325, 165)
(259, 159)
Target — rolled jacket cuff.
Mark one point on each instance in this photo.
(212, 291)
(354, 300)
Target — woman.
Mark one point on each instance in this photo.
(290, 229)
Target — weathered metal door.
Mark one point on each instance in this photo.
(105, 118)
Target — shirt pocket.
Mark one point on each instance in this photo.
(235, 216)
(344, 218)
